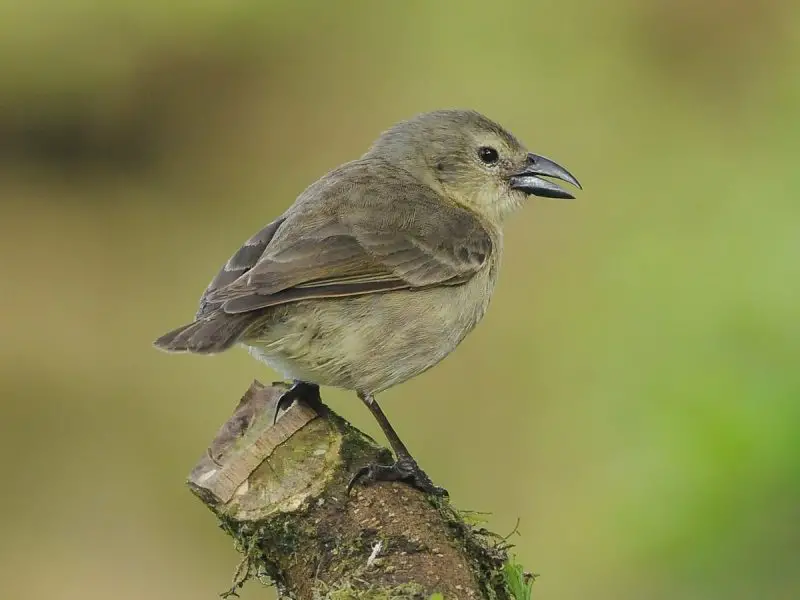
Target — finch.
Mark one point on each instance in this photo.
(380, 268)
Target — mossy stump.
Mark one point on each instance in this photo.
(280, 490)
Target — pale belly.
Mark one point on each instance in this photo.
(370, 343)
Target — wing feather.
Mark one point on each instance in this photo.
(363, 229)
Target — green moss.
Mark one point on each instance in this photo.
(283, 535)
(518, 581)
(405, 591)
(486, 551)
(498, 575)
(357, 447)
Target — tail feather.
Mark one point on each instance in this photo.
(208, 335)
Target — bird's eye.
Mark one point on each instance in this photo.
(488, 155)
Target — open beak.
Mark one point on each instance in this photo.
(530, 181)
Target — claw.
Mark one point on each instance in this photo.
(404, 469)
(300, 391)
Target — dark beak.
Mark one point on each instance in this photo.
(530, 181)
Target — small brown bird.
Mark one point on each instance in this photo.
(380, 268)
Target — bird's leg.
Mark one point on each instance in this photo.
(300, 391)
(405, 468)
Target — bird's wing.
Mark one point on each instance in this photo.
(239, 264)
(356, 236)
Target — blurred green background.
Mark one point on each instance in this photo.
(633, 394)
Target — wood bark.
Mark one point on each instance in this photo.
(280, 490)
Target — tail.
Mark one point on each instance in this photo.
(208, 335)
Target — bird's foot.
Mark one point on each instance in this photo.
(300, 391)
(404, 469)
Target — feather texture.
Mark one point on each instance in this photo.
(353, 234)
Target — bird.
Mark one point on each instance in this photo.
(379, 269)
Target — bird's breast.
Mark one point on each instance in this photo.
(375, 341)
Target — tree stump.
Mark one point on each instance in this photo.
(280, 490)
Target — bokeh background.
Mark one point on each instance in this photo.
(633, 395)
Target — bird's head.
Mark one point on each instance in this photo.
(472, 160)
